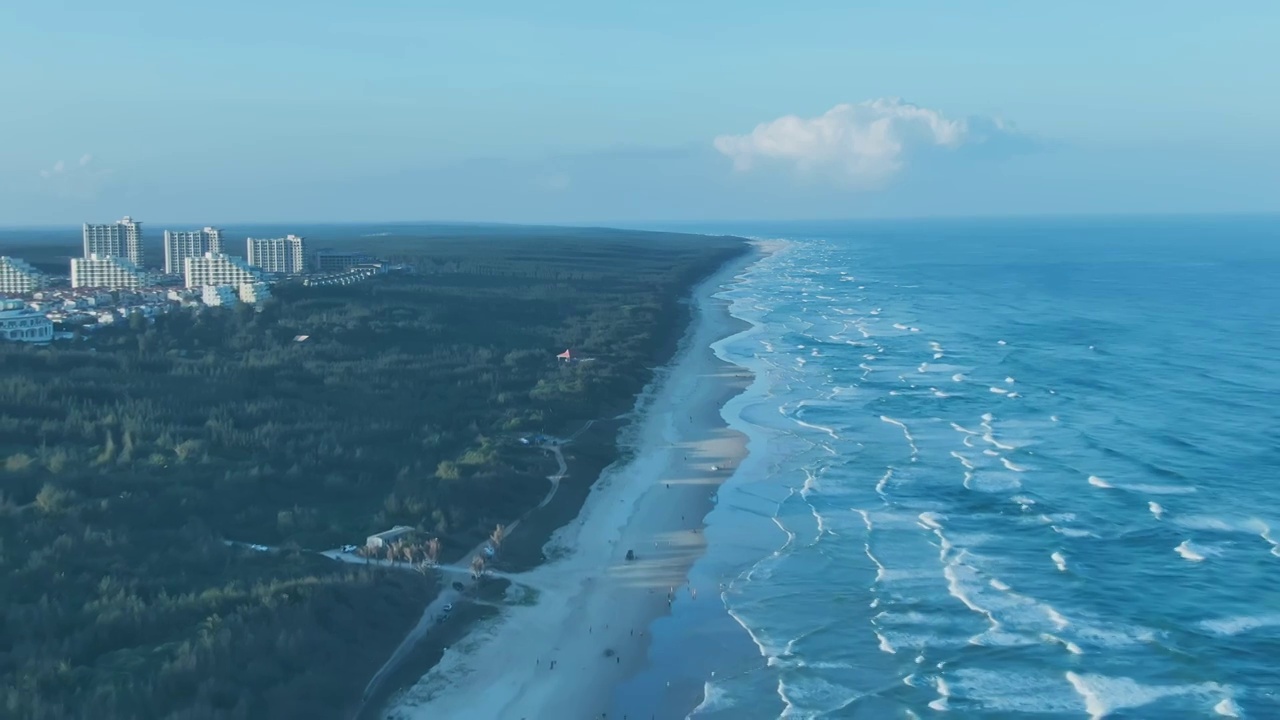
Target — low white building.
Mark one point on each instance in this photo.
(218, 269)
(255, 292)
(17, 276)
(219, 295)
(111, 272)
(22, 324)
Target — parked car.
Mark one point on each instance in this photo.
(348, 548)
(448, 607)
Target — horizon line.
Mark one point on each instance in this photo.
(636, 224)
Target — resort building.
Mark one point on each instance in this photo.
(219, 295)
(337, 261)
(180, 245)
(253, 293)
(22, 324)
(118, 239)
(16, 276)
(218, 269)
(110, 272)
(286, 255)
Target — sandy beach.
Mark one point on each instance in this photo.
(563, 654)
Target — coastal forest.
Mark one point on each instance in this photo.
(139, 462)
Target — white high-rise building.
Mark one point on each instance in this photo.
(218, 269)
(118, 239)
(110, 272)
(286, 255)
(16, 276)
(180, 245)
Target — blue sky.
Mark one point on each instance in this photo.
(576, 111)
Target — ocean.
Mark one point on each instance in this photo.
(997, 468)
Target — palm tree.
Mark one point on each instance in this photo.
(496, 536)
(433, 550)
(477, 566)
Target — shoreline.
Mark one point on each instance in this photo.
(587, 632)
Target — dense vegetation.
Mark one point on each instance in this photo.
(130, 460)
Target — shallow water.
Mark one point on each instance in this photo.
(997, 468)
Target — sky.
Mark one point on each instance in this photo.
(580, 111)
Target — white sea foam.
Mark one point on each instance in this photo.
(924, 367)
(962, 429)
(939, 393)
(1160, 489)
(1009, 380)
(930, 520)
(1059, 561)
(1104, 695)
(1071, 647)
(958, 377)
(884, 644)
(1240, 624)
(1056, 618)
(883, 482)
(1156, 509)
(1265, 534)
(1024, 502)
(1098, 482)
(905, 433)
(997, 584)
(1071, 532)
(999, 390)
(899, 326)
(1192, 552)
(713, 698)
(944, 692)
(1011, 466)
(1054, 418)
(1226, 707)
(1001, 342)
(990, 439)
(963, 460)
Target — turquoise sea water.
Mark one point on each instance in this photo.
(1016, 468)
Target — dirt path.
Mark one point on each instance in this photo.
(448, 594)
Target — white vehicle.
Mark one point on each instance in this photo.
(348, 548)
(447, 607)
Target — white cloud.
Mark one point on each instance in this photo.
(863, 145)
(80, 180)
